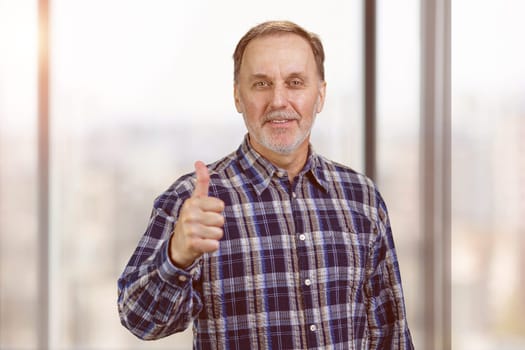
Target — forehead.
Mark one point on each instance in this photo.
(277, 49)
(275, 39)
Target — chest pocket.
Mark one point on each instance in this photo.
(347, 247)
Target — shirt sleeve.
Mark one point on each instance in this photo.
(156, 298)
(387, 321)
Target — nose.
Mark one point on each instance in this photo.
(279, 97)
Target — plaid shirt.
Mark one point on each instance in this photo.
(303, 265)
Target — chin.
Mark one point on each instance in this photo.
(284, 147)
(284, 150)
(282, 143)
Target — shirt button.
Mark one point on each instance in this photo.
(183, 278)
(294, 195)
(307, 282)
(313, 327)
(302, 237)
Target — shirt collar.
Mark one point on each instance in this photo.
(260, 171)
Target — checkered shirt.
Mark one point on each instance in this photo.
(303, 265)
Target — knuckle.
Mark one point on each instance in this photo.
(191, 203)
(191, 216)
(217, 234)
(186, 204)
(193, 246)
(192, 230)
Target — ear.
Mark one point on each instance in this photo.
(321, 96)
(237, 98)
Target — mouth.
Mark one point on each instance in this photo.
(281, 118)
(281, 121)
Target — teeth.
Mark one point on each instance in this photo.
(279, 121)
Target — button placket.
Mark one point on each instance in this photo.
(307, 283)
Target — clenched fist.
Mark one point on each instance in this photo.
(199, 226)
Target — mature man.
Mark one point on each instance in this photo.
(273, 246)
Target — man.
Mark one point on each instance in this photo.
(273, 246)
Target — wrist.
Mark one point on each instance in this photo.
(175, 256)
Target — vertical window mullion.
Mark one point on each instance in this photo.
(435, 169)
(43, 173)
(369, 81)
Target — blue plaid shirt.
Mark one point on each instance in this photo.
(303, 265)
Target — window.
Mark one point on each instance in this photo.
(140, 90)
(488, 185)
(398, 148)
(18, 175)
(133, 106)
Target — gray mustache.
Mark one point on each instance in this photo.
(281, 115)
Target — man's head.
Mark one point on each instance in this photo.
(276, 28)
(279, 86)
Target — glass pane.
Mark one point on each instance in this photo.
(488, 167)
(18, 175)
(140, 90)
(398, 96)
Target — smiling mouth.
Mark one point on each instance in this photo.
(281, 117)
(281, 123)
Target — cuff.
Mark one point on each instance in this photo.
(173, 274)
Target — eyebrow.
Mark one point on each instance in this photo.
(259, 76)
(291, 75)
(297, 75)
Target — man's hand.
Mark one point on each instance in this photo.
(199, 225)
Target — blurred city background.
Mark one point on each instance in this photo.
(140, 89)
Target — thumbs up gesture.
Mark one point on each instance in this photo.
(199, 225)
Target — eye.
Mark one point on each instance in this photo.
(261, 84)
(296, 83)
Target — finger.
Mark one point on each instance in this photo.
(210, 204)
(208, 232)
(203, 180)
(211, 219)
(206, 245)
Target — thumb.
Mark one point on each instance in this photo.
(203, 180)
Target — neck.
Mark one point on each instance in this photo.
(292, 162)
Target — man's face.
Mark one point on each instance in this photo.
(279, 92)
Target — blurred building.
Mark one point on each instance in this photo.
(135, 101)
